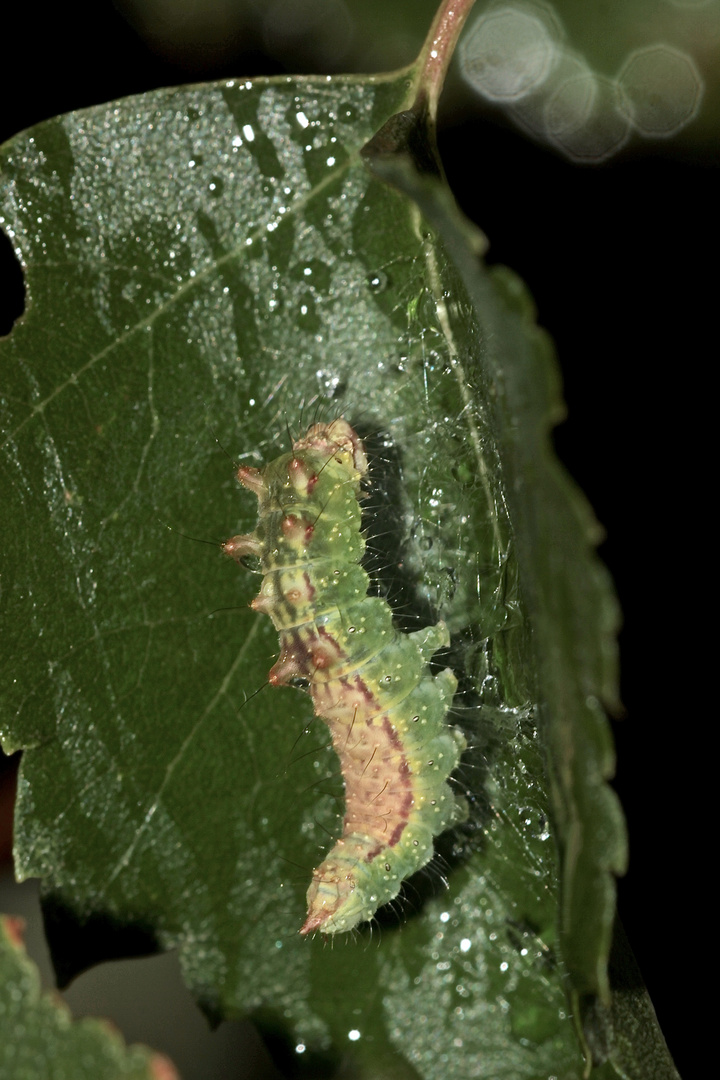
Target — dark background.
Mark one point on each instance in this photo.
(619, 258)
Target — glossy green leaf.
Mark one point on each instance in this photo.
(209, 268)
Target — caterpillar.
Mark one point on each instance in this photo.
(368, 681)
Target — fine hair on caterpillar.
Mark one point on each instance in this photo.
(369, 681)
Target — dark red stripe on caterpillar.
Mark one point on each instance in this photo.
(369, 682)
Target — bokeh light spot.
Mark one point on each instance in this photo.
(584, 117)
(663, 89)
(510, 51)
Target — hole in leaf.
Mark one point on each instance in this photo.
(12, 287)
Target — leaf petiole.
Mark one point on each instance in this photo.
(434, 60)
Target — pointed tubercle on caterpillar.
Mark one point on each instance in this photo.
(252, 479)
(238, 547)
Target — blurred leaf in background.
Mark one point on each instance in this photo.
(302, 35)
(51, 1044)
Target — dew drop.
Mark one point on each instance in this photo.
(378, 281)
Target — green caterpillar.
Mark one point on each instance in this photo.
(368, 681)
